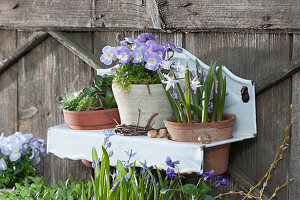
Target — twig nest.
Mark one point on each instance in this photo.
(163, 133)
(152, 133)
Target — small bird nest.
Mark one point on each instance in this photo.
(135, 130)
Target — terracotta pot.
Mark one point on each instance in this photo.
(215, 158)
(91, 120)
(137, 98)
(87, 163)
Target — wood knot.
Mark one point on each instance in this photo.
(265, 26)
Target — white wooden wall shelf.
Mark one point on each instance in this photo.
(77, 144)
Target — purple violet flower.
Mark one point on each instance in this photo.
(220, 181)
(208, 175)
(138, 54)
(127, 41)
(123, 54)
(108, 55)
(114, 175)
(127, 164)
(15, 155)
(171, 174)
(145, 36)
(153, 61)
(170, 81)
(171, 163)
(169, 46)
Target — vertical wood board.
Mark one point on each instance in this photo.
(8, 86)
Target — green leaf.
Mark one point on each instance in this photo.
(204, 188)
(190, 189)
(206, 197)
(89, 90)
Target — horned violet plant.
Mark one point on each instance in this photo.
(19, 154)
(201, 92)
(139, 60)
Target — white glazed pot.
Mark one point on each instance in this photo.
(138, 97)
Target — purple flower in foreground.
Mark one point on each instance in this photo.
(174, 95)
(170, 81)
(208, 175)
(127, 176)
(127, 164)
(168, 46)
(153, 61)
(108, 133)
(114, 175)
(144, 168)
(138, 54)
(171, 163)
(115, 185)
(171, 173)
(94, 164)
(123, 54)
(110, 153)
(3, 165)
(36, 160)
(220, 181)
(15, 155)
(130, 153)
(166, 64)
(108, 55)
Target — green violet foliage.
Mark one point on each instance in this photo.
(36, 188)
(202, 93)
(139, 60)
(96, 97)
(128, 183)
(20, 153)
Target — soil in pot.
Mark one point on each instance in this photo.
(92, 120)
(215, 158)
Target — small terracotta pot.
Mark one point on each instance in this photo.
(215, 158)
(87, 163)
(91, 120)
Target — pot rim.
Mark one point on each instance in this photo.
(225, 123)
(86, 112)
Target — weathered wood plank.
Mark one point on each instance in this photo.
(151, 14)
(83, 53)
(253, 56)
(40, 13)
(127, 14)
(8, 86)
(50, 71)
(34, 40)
(209, 14)
(294, 165)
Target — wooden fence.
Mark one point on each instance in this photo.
(258, 41)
